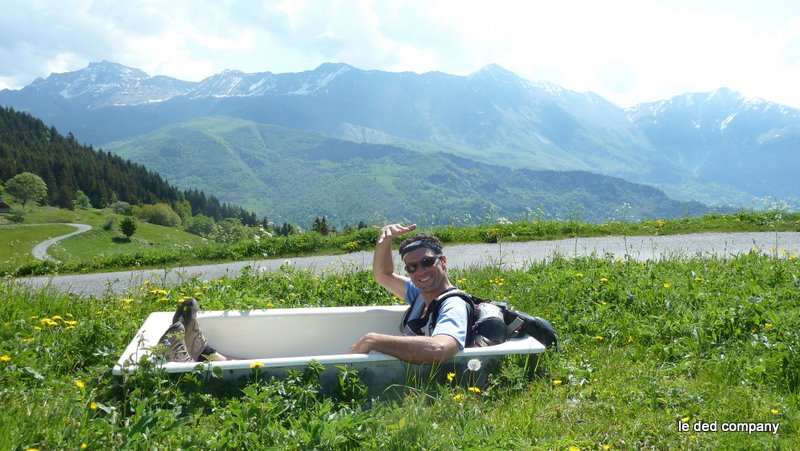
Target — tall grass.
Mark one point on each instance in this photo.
(647, 347)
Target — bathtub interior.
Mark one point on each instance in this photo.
(283, 339)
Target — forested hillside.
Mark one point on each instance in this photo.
(28, 145)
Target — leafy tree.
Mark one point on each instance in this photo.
(122, 208)
(128, 226)
(201, 225)
(161, 214)
(230, 231)
(26, 187)
(82, 200)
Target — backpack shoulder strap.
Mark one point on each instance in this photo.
(468, 299)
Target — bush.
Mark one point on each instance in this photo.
(159, 214)
(122, 208)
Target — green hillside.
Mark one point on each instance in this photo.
(66, 167)
(295, 176)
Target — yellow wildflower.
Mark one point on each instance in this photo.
(450, 377)
(458, 397)
(775, 411)
(256, 365)
(93, 405)
(474, 389)
(5, 358)
(667, 285)
(84, 446)
(599, 338)
(79, 383)
(579, 275)
(57, 318)
(604, 280)
(557, 382)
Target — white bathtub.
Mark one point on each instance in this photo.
(282, 339)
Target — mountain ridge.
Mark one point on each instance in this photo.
(491, 115)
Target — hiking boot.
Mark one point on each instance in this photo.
(173, 340)
(196, 342)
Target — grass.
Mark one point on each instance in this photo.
(647, 347)
(155, 246)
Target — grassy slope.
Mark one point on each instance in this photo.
(294, 176)
(41, 224)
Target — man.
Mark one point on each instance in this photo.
(427, 279)
(425, 339)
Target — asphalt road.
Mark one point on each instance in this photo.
(506, 255)
(40, 250)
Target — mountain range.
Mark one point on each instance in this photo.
(720, 148)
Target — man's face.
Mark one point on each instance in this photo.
(430, 278)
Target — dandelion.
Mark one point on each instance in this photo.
(475, 390)
(126, 300)
(458, 396)
(93, 405)
(474, 365)
(605, 447)
(768, 326)
(775, 411)
(557, 382)
(450, 377)
(667, 285)
(79, 383)
(255, 365)
(84, 446)
(604, 280)
(5, 358)
(599, 338)
(57, 318)
(579, 275)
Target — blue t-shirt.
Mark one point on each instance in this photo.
(453, 319)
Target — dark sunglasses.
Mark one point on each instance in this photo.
(426, 262)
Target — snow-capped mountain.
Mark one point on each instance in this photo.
(693, 145)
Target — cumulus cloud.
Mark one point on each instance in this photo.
(628, 51)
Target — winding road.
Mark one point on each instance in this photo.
(40, 250)
(505, 255)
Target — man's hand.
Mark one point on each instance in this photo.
(394, 230)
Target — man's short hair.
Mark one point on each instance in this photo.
(418, 241)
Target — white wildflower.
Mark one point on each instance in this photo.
(474, 365)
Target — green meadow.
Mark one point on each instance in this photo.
(666, 354)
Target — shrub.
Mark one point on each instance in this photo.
(159, 214)
(122, 208)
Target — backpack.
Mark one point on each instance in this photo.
(490, 322)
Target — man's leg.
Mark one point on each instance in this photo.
(196, 342)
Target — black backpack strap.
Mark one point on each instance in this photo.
(468, 299)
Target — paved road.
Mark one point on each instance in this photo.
(506, 255)
(40, 250)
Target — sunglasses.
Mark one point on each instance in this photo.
(426, 262)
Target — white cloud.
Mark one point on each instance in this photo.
(628, 51)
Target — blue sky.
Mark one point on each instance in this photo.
(626, 51)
